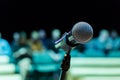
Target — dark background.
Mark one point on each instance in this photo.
(35, 15)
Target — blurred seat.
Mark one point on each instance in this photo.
(76, 53)
(45, 66)
(4, 59)
(114, 53)
(94, 53)
(11, 77)
(43, 63)
(7, 69)
(100, 78)
(94, 69)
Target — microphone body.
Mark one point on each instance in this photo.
(67, 41)
(81, 33)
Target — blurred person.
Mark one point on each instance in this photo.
(102, 39)
(15, 42)
(23, 55)
(99, 46)
(35, 42)
(115, 44)
(42, 34)
(43, 37)
(58, 53)
(5, 48)
(115, 40)
(102, 42)
(55, 34)
(15, 45)
(46, 60)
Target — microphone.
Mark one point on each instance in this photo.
(81, 33)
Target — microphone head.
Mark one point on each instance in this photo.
(82, 32)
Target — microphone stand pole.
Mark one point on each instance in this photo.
(65, 65)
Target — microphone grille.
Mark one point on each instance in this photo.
(82, 32)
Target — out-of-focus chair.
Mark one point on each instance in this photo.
(114, 53)
(4, 59)
(94, 53)
(45, 66)
(10, 77)
(7, 69)
(94, 69)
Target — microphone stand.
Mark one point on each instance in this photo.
(65, 65)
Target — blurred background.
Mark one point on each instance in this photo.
(28, 30)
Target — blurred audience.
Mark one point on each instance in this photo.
(44, 59)
(39, 53)
(23, 55)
